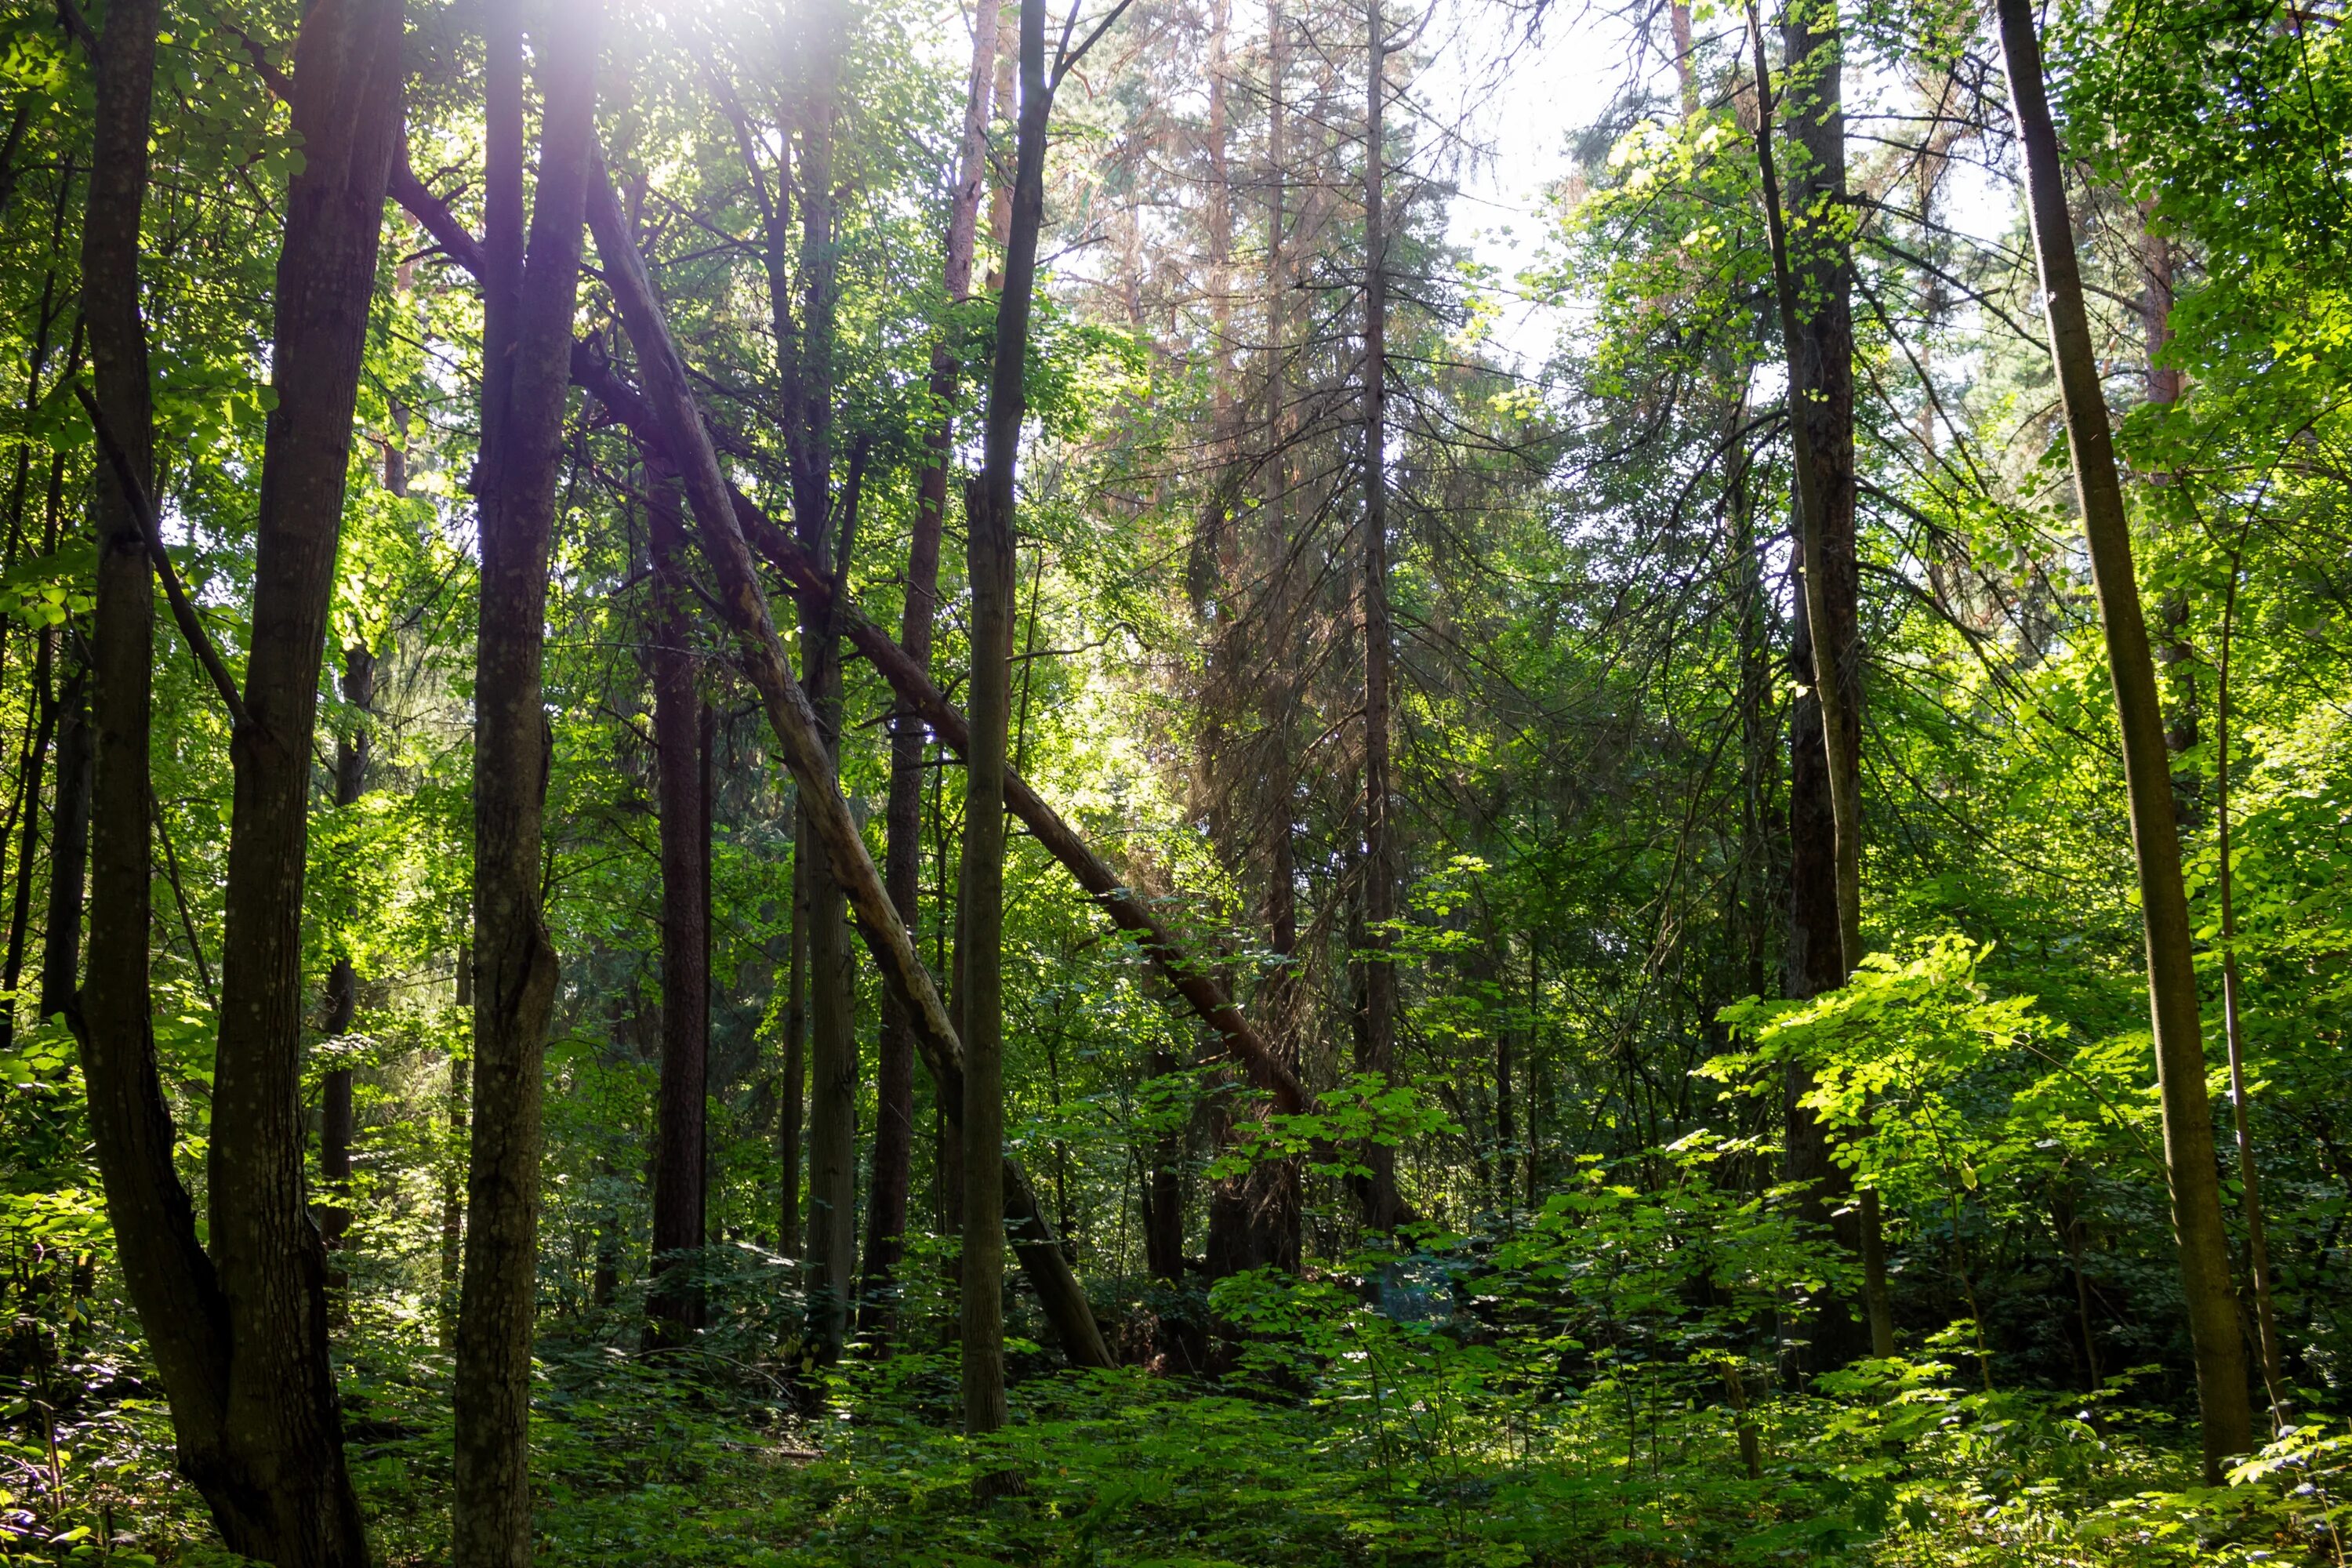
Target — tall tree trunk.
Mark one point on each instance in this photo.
(894, 1128)
(831, 1265)
(69, 850)
(240, 1338)
(337, 1124)
(669, 406)
(2250, 1190)
(1272, 1193)
(1164, 1195)
(1812, 277)
(2228, 1424)
(529, 297)
(678, 1130)
(1378, 981)
(990, 557)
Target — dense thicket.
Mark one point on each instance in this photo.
(812, 783)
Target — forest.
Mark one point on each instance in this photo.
(1153, 782)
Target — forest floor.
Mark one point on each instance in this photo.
(1414, 1449)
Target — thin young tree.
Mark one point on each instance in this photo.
(2226, 1428)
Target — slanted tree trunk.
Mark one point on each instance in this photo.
(240, 1337)
(678, 1130)
(670, 407)
(1377, 980)
(2228, 1424)
(894, 1128)
(1194, 982)
(529, 297)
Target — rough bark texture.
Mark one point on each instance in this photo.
(2228, 1424)
(528, 298)
(791, 1118)
(678, 1130)
(241, 1337)
(680, 429)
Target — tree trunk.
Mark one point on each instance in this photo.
(2233, 1034)
(68, 851)
(528, 303)
(989, 558)
(894, 1131)
(240, 1338)
(670, 407)
(678, 1132)
(1812, 277)
(1377, 980)
(822, 516)
(1164, 1195)
(456, 1095)
(792, 1121)
(2228, 1424)
(337, 1126)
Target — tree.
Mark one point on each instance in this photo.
(2228, 1424)
(241, 1331)
(528, 301)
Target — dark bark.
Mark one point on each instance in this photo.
(240, 1339)
(528, 303)
(2233, 1034)
(990, 560)
(1164, 1195)
(1813, 276)
(68, 851)
(805, 354)
(2227, 1416)
(456, 1095)
(741, 600)
(678, 1125)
